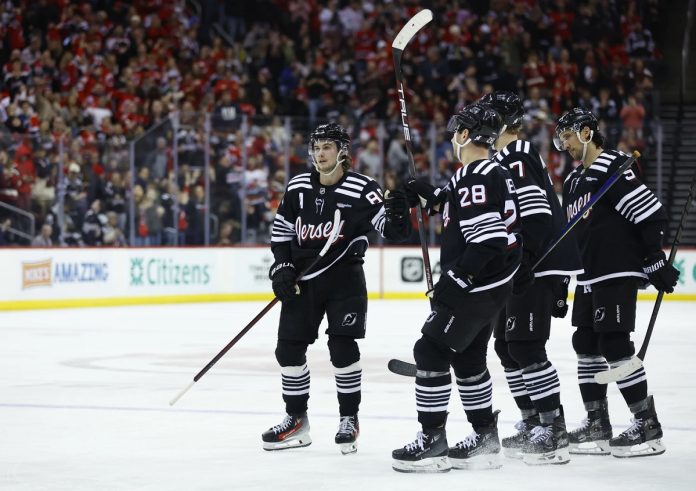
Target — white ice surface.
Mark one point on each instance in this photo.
(84, 405)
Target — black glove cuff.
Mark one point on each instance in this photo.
(277, 267)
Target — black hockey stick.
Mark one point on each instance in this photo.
(400, 367)
(335, 230)
(409, 369)
(414, 25)
(626, 369)
(588, 206)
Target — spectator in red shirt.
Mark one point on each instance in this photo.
(632, 115)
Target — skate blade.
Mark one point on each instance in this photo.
(297, 442)
(647, 449)
(557, 457)
(432, 464)
(512, 453)
(478, 462)
(348, 448)
(597, 447)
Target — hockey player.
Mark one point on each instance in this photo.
(620, 243)
(524, 326)
(479, 255)
(335, 288)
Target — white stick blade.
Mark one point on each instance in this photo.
(622, 371)
(184, 391)
(414, 25)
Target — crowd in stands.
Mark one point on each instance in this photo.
(90, 88)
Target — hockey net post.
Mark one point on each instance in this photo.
(636, 361)
(335, 230)
(405, 35)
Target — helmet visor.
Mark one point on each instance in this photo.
(558, 141)
(454, 124)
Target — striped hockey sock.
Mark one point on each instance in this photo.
(591, 391)
(519, 392)
(295, 382)
(543, 386)
(432, 398)
(476, 394)
(348, 383)
(634, 387)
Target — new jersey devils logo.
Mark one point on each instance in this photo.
(599, 314)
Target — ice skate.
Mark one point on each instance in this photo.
(548, 444)
(593, 435)
(292, 432)
(480, 450)
(428, 453)
(512, 445)
(347, 435)
(642, 438)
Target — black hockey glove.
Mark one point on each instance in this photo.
(524, 277)
(449, 289)
(284, 278)
(660, 273)
(560, 296)
(398, 215)
(418, 190)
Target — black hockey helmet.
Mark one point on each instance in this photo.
(484, 124)
(574, 120)
(333, 132)
(507, 104)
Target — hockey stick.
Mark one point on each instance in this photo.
(407, 369)
(626, 369)
(335, 230)
(588, 206)
(406, 33)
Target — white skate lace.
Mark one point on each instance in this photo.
(469, 441)
(540, 433)
(583, 426)
(287, 423)
(418, 444)
(347, 425)
(521, 426)
(634, 428)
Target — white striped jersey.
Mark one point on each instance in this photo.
(480, 219)
(304, 220)
(622, 228)
(541, 215)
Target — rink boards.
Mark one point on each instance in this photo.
(57, 278)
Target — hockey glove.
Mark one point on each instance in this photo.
(524, 277)
(560, 296)
(430, 197)
(660, 273)
(449, 289)
(284, 278)
(398, 215)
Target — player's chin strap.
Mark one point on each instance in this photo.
(340, 158)
(584, 144)
(458, 146)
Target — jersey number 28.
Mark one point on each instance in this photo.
(476, 196)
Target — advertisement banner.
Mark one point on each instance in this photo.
(54, 278)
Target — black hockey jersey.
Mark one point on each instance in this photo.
(305, 215)
(541, 215)
(621, 229)
(480, 220)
